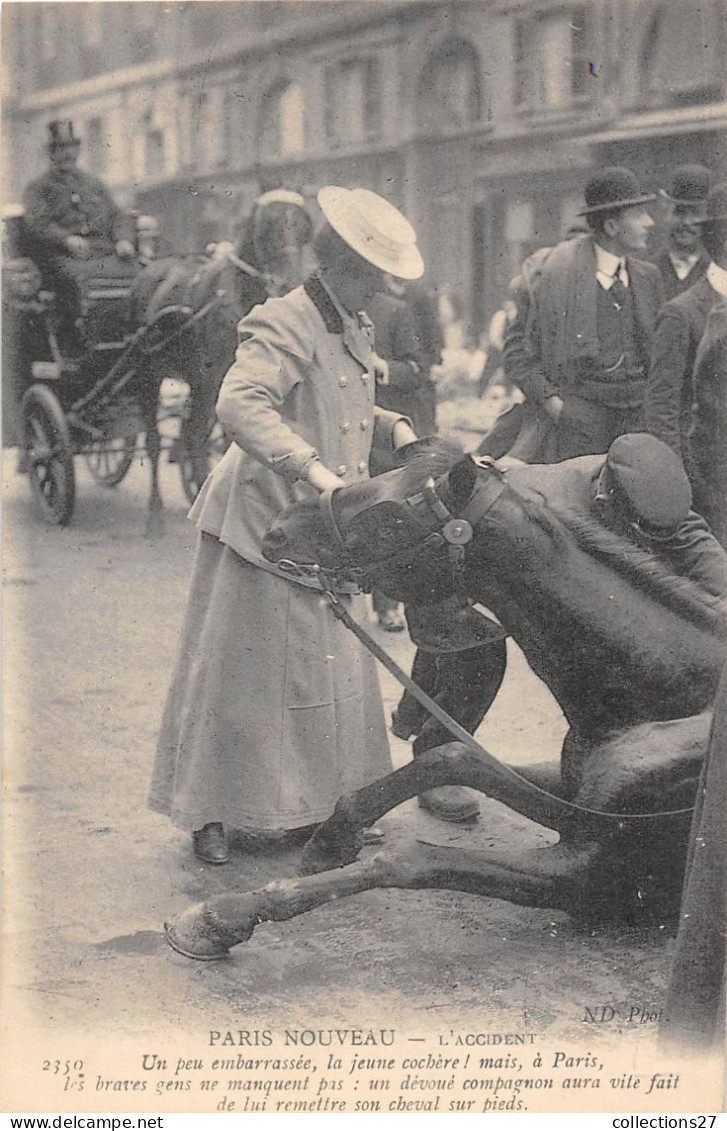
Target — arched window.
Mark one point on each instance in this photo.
(450, 90)
(680, 54)
(281, 126)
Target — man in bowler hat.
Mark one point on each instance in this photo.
(582, 352)
(73, 226)
(684, 261)
(680, 326)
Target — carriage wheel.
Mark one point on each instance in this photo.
(50, 455)
(109, 460)
(194, 472)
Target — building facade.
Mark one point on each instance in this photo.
(482, 119)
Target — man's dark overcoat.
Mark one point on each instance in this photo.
(673, 285)
(670, 389)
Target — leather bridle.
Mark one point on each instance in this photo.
(454, 532)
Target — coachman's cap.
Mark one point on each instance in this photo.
(374, 229)
(689, 185)
(649, 478)
(60, 133)
(613, 188)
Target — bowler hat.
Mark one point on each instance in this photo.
(61, 133)
(716, 204)
(650, 479)
(689, 185)
(613, 188)
(374, 229)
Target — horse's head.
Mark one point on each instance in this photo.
(281, 228)
(386, 531)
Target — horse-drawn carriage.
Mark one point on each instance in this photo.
(100, 397)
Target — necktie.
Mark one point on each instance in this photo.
(619, 285)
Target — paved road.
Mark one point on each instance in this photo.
(91, 619)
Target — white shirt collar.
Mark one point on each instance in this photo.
(607, 264)
(682, 264)
(717, 279)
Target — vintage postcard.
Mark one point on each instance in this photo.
(254, 251)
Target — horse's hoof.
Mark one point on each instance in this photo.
(324, 858)
(195, 935)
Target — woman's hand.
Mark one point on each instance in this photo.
(402, 434)
(320, 477)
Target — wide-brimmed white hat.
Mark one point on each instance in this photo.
(374, 229)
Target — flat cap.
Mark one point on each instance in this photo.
(650, 479)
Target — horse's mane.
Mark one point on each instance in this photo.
(640, 566)
(644, 569)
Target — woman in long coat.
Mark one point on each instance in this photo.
(274, 709)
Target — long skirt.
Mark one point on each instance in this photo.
(274, 709)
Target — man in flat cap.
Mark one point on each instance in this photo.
(639, 491)
(74, 227)
(684, 261)
(671, 389)
(582, 352)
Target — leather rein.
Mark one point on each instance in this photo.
(456, 533)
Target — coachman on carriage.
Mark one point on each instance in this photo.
(93, 324)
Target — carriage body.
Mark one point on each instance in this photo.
(91, 402)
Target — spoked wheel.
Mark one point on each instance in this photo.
(195, 471)
(49, 455)
(109, 460)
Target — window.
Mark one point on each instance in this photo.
(48, 31)
(201, 138)
(145, 19)
(551, 59)
(353, 105)
(281, 127)
(519, 233)
(154, 157)
(91, 23)
(450, 89)
(96, 146)
(680, 58)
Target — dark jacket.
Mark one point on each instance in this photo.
(71, 202)
(708, 439)
(554, 306)
(397, 341)
(670, 389)
(570, 487)
(673, 285)
(423, 309)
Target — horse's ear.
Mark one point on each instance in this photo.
(462, 479)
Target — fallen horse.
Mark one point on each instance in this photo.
(631, 651)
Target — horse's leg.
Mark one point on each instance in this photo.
(155, 517)
(556, 877)
(339, 839)
(203, 381)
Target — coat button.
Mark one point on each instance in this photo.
(362, 467)
(341, 470)
(343, 381)
(364, 424)
(365, 378)
(345, 427)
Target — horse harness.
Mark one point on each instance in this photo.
(402, 520)
(455, 532)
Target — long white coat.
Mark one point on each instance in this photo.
(274, 709)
